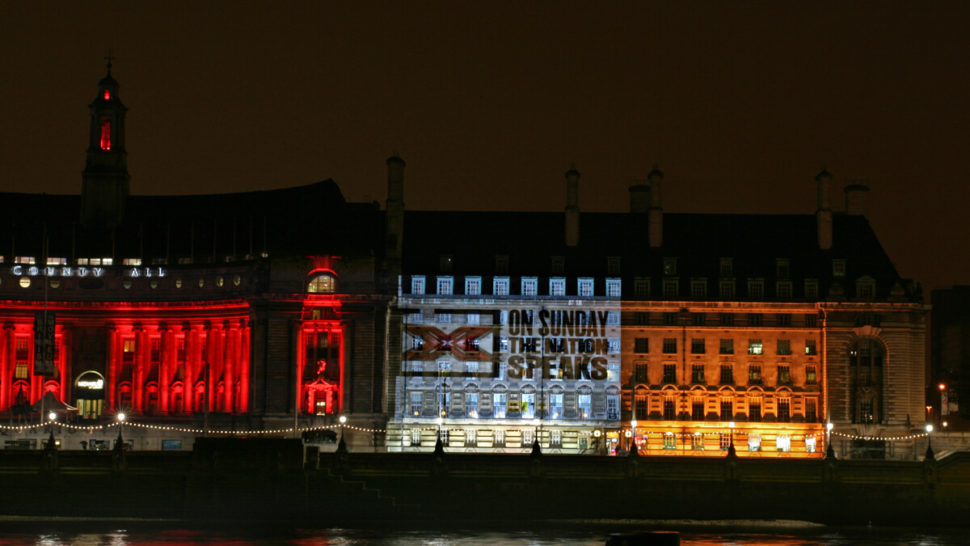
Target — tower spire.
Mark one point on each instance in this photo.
(104, 187)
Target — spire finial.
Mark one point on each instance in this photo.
(109, 57)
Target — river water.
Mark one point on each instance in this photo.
(748, 533)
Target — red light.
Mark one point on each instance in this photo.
(107, 95)
(942, 386)
(105, 135)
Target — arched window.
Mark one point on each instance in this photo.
(323, 283)
(106, 134)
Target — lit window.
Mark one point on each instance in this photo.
(473, 286)
(500, 286)
(26, 260)
(56, 261)
(754, 442)
(529, 286)
(220, 281)
(585, 287)
(131, 261)
(105, 134)
(755, 347)
(783, 443)
(236, 280)
(446, 286)
(557, 286)
(320, 284)
(106, 261)
(417, 284)
(613, 288)
(810, 347)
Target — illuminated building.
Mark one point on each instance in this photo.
(755, 330)
(228, 310)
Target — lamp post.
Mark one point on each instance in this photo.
(929, 446)
(633, 436)
(944, 409)
(829, 450)
(121, 427)
(51, 417)
(731, 451)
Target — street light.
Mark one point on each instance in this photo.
(121, 426)
(633, 437)
(943, 402)
(929, 446)
(829, 450)
(731, 451)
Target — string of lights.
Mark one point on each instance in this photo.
(880, 438)
(172, 428)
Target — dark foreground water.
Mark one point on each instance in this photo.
(571, 532)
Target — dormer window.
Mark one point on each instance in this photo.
(323, 283)
(417, 284)
(557, 286)
(445, 286)
(558, 265)
(670, 266)
(727, 267)
(473, 286)
(782, 268)
(612, 265)
(584, 287)
(838, 268)
(529, 286)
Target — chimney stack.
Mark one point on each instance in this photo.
(823, 215)
(572, 207)
(639, 198)
(394, 234)
(855, 198)
(656, 212)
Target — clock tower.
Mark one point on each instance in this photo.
(104, 187)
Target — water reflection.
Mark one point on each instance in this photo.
(88, 533)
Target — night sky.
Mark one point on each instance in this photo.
(490, 103)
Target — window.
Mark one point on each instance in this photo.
(445, 263)
(698, 319)
(697, 408)
(784, 410)
(612, 407)
(502, 264)
(754, 410)
(697, 346)
(557, 265)
(838, 268)
(811, 377)
(443, 318)
(640, 372)
(641, 345)
(498, 437)
(670, 441)
(641, 287)
(698, 289)
(756, 289)
(697, 442)
(640, 407)
(670, 345)
(727, 347)
(726, 268)
(670, 288)
(865, 288)
(612, 265)
(670, 266)
(416, 400)
(500, 286)
(528, 405)
(697, 373)
(754, 375)
(322, 284)
(726, 289)
(755, 319)
(670, 319)
(555, 438)
(783, 443)
(529, 286)
(641, 318)
(782, 268)
(555, 405)
(557, 286)
(811, 411)
(727, 374)
(613, 288)
(755, 347)
(810, 346)
(584, 287)
(810, 444)
(724, 440)
(783, 290)
(754, 441)
(727, 409)
(499, 403)
(783, 319)
(784, 346)
(670, 373)
(473, 286)
(446, 286)
(670, 409)
(811, 321)
(726, 319)
(417, 284)
(784, 375)
(106, 134)
(63, 261)
(22, 355)
(585, 406)
(811, 289)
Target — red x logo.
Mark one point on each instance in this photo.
(461, 342)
